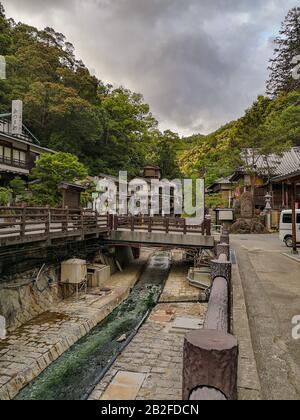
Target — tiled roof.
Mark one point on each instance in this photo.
(277, 165)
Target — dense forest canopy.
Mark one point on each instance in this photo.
(111, 129)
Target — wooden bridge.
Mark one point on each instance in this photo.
(24, 225)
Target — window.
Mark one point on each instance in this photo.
(19, 155)
(287, 218)
(7, 152)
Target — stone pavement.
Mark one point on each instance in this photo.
(32, 347)
(154, 357)
(177, 287)
(272, 293)
(156, 352)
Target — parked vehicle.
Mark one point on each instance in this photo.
(286, 229)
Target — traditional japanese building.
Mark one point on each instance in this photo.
(275, 175)
(19, 148)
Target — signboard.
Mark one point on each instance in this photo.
(226, 215)
(17, 117)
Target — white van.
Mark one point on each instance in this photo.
(285, 230)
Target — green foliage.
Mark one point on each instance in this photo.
(215, 201)
(163, 152)
(49, 172)
(67, 108)
(18, 188)
(5, 194)
(287, 48)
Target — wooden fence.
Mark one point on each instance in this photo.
(39, 223)
(159, 224)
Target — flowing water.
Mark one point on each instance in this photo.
(72, 376)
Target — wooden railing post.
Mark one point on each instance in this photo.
(65, 224)
(208, 225)
(150, 225)
(184, 227)
(48, 221)
(82, 220)
(167, 225)
(116, 222)
(23, 222)
(132, 223)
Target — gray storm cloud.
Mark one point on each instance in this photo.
(199, 63)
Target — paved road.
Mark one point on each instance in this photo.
(271, 283)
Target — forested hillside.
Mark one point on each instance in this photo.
(70, 110)
(271, 125)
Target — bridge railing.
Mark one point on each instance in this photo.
(21, 222)
(159, 224)
(210, 362)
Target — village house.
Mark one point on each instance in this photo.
(274, 175)
(19, 148)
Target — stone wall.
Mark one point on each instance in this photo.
(22, 297)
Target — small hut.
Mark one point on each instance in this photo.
(71, 195)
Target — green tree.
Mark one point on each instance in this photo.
(18, 188)
(50, 170)
(287, 48)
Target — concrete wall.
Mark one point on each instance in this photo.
(20, 302)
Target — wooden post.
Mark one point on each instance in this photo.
(65, 224)
(210, 361)
(150, 225)
(208, 225)
(82, 220)
(167, 225)
(294, 217)
(116, 222)
(48, 221)
(184, 227)
(132, 223)
(23, 222)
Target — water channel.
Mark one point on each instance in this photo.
(76, 372)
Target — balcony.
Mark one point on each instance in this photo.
(15, 163)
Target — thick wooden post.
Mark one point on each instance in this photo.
(210, 362)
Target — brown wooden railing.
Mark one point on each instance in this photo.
(159, 224)
(39, 223)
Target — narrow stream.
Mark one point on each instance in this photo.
(72, 375)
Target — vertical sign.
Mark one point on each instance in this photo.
(17, 117)
(2, 68)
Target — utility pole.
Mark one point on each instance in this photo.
(294, 219)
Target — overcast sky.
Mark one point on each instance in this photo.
(199, 63)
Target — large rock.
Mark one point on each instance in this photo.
(242, 226)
